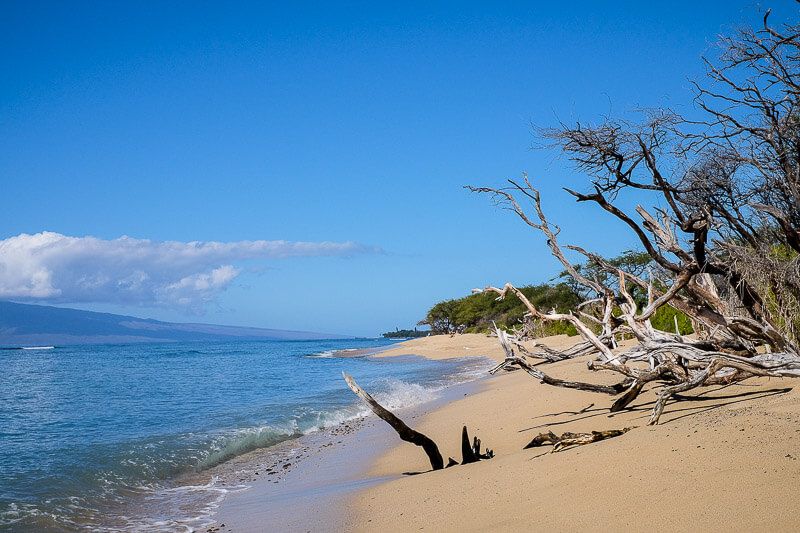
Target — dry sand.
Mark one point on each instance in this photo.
(445, 347)
(726, 461)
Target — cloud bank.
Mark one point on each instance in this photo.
(51, 267)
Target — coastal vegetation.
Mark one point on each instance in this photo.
(482, 312)
(406, 333)
(477, 313)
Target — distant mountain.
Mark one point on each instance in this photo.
(37, 325)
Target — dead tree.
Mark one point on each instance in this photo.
(723, 235)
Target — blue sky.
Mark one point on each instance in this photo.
(350, 123)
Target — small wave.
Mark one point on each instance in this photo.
(473, 368)
(182, 353)
(246, 440)
(16, 512)
(400, 395)
(392, 393)
(335, 353)
(323, 354)
(203, 499)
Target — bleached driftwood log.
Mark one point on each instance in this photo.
(512, 359)
(573, 439)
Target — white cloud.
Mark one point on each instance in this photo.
(52, 267)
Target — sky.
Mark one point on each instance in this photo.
(302, 166)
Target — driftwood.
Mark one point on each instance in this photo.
(512, 359)
(726, 351)
(573, 439)
(405, 432)
(471, 453)
(729, 348)
(722, 239)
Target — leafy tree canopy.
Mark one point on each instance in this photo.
(478, 312)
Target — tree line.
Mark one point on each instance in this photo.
(481, 312)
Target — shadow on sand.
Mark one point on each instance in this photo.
(706, 403)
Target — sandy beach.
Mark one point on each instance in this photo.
(727, 461)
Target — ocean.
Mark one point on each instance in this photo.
(115, 437)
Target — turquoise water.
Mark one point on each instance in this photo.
(86, 430)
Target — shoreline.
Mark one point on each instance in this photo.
(280, 502)
(719, 459)
(706, 454)
(313, 495)
(440, 347)
(324, 469)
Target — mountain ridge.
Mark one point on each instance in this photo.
(31, 324)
